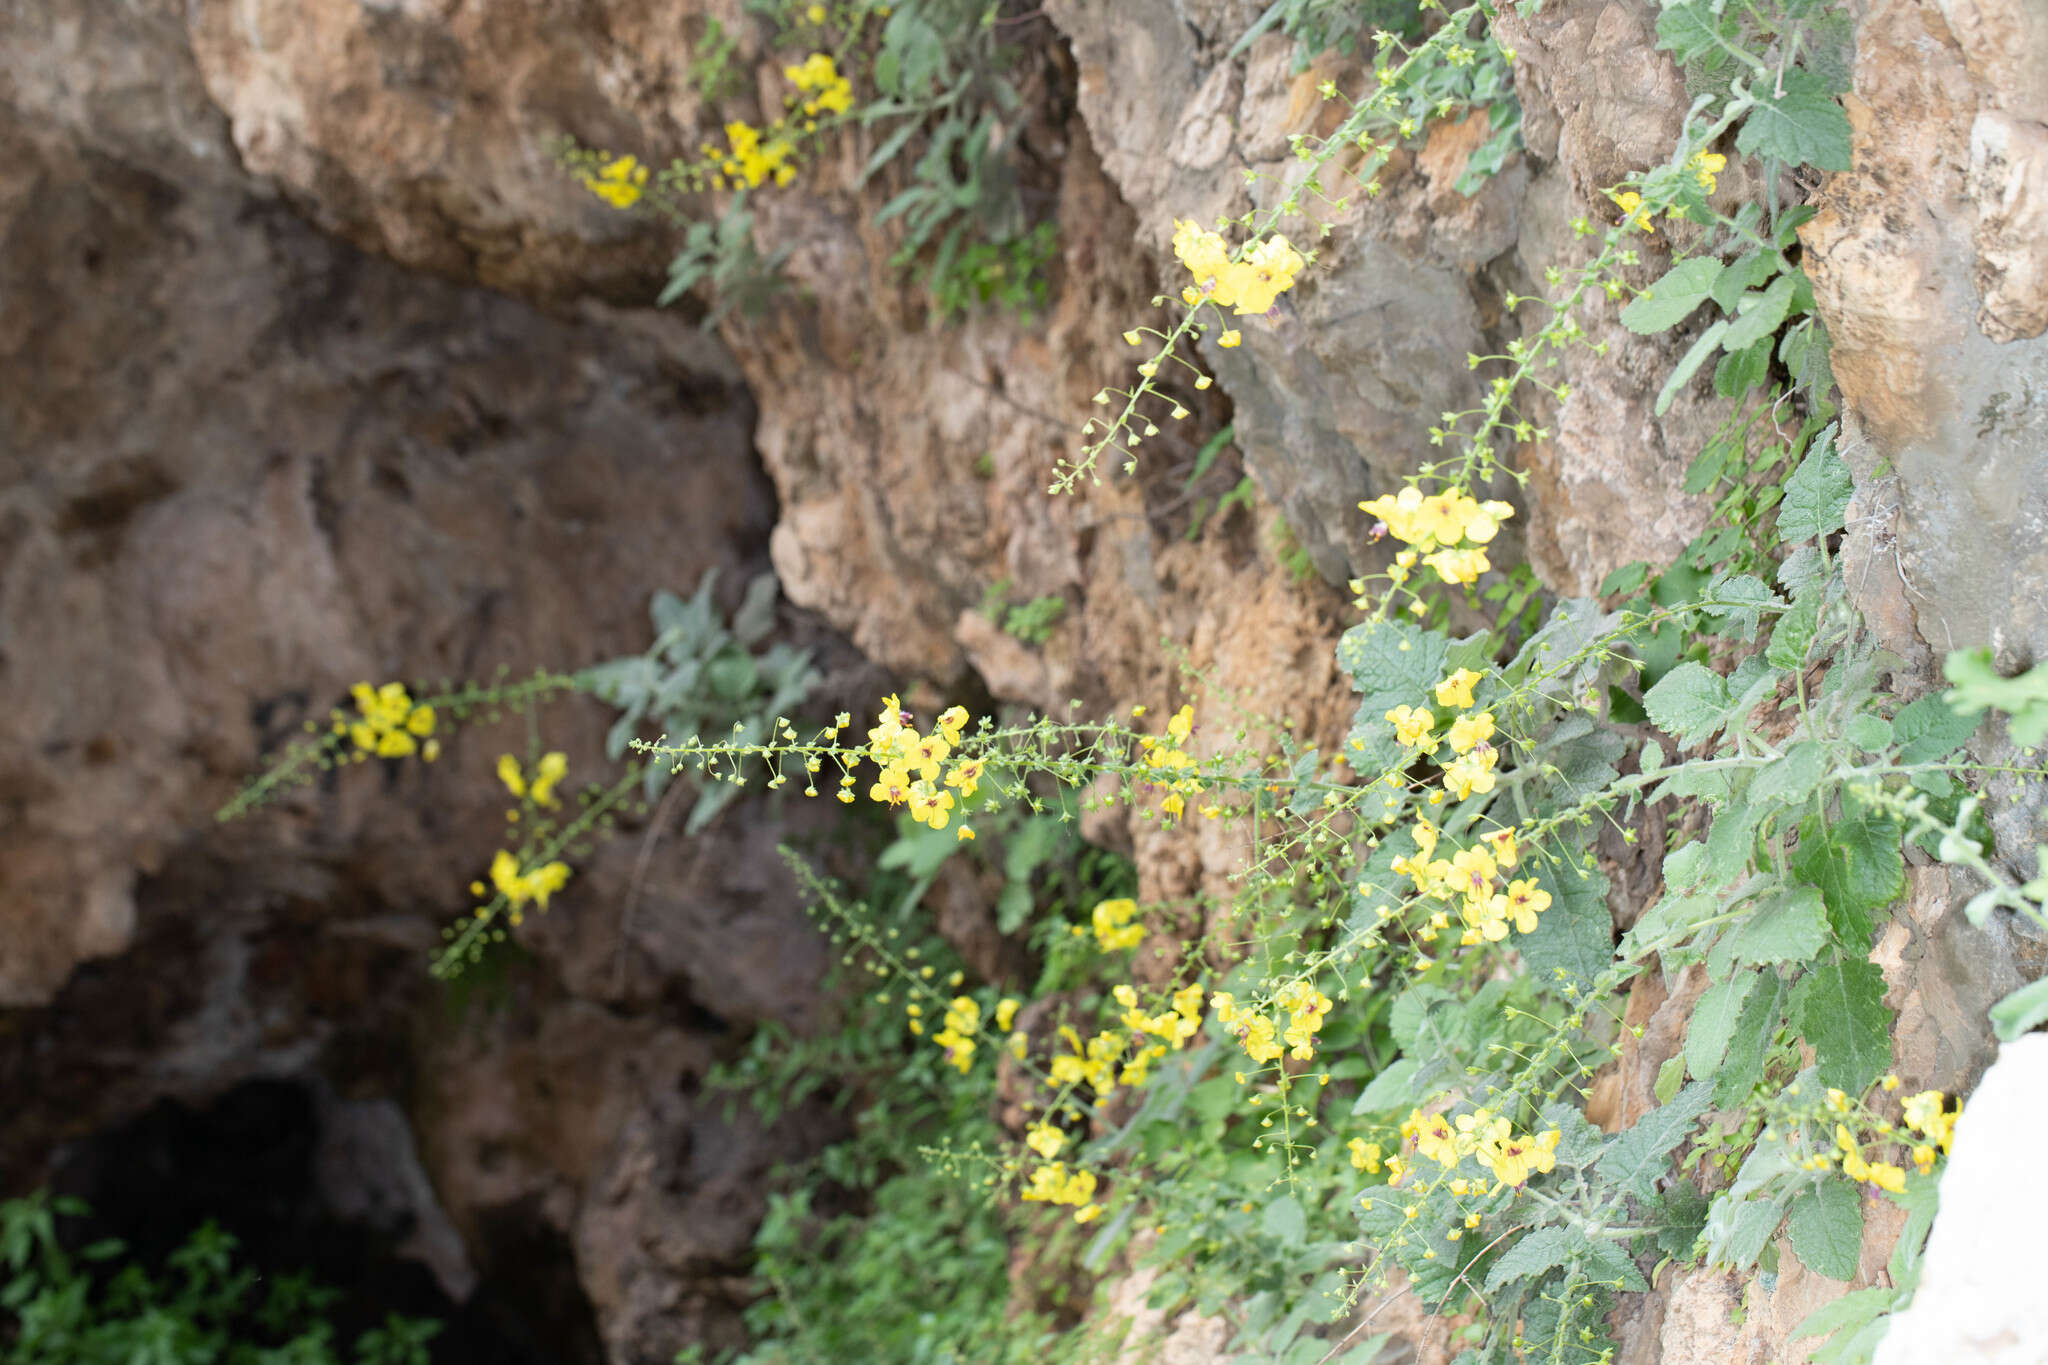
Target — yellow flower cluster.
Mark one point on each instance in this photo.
(1446, 531)
(752, 160)
(912, 765)
(520, 887)
(1176, 1025)
(388, 723)
(618, 182)
(1249, 285)
(1472, 768)
(1882, 1174)
(553, 766)
(1930, 1128)
(1045, 1140)
(1486, 909)
(1928, 1114)
(1486, 1137)
(1100, 1063)
(963, 1027)
(1263, 1037)
(1111, 921)
(820, 80)
(1053, 1183)
(1705, 166)
(1169, 760)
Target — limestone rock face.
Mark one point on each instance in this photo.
(1930, 265)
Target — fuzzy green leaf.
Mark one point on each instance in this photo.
(1546, 1248)
(2021, 1012)
(1841, 1013)
(1713, 1022)
(1743, 1066)
(1791, 927)
(1689, 703)
(1638, 1158)
(1760, 314)
(1816, 495)
(1929, 729)
(1688, 366)
(1803, 126)
(1675, 294)
(1857, 865)
(1574, 938)
(1826, 1224)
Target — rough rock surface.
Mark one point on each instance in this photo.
(1930, 265)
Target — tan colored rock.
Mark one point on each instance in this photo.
(1928, 268)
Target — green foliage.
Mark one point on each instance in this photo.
(721, 254)
(713, 71)
(702, 675)
(1009, 273)
(94, 1307)
(1031, 621)
(1979, 688)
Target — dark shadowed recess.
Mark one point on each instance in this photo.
(247, 1163)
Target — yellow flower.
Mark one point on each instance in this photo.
(1456, 690)
(930, 805)
(1472, 871)
(1471, 773)
(1182, 725)
(1435, 1138)
(926, 753)
(1365, 1156)
(1467, 731)
(966, 775)
(518, 888)
(892, 787)
(966, 835)
(1045, 1140)
(1202, 252)
(1229, 339)
(1502, 841)
(1006, 1011)
(618, 182)
(1525, 901)
(1111, 921)
(952, 721)
(1631, 205)
(1412, 726)
(1514, 1160)
(553, 766)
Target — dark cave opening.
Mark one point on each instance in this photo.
(252, 1162)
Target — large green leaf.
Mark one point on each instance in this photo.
(1574, 938)
(1803, 125)
(1826, 1224)
(1816, 495)
(1792, 926)
(1841, 1012)
(1690, 703)
(1638, 1158)
(1857, 865)
(1675, 294)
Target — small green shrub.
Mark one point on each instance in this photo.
(199, 1308)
